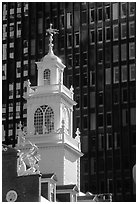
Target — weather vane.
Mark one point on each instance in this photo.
(51, 32)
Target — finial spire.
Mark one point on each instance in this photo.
(51, 32)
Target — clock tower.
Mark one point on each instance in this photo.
(50, 120)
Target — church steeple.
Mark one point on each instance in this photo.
(50, 119)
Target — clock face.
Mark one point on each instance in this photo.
(11, 196)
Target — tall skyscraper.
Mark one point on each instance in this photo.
(96, 41)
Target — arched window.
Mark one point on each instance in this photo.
(38, 121)
(46, 77)
(44, 120)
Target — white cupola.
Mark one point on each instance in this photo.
(50, 119)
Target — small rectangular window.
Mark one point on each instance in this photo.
(123, 31)
(108, 76)
(85, 101)
(100, 120)
(91, 15)
(107, 12)
(85, 124)
(116, 96)
(69, 20)
(116, 140)
(131, 29)
(92, 78)
(93, 121)
(133, 116)
(109, 141)
(124, 95)
(115, 11)
(100, 99)
(100, 35)
(62, 21)
(131, 50)
(40, 25)
(116, 75)
(123, 10)
(101, 141)
(92, 99)
(115, 32)
(108, 119)
(69, 40)
(123, 52)
(115, 53)
(132, 6)
(124, 73)
(100, 14)
(92, 37)
(107, 34)
(132, 72)
(77, 40)
(84, 17)
(77, 59)
(124, 117)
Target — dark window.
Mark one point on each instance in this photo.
(92, 78)
(116, 140)
(123, 52)
(133, 138)
(84, 17)
(131, 50)
(108, 119)
(69, 61)
(109, 141)
(115, 53)
(92, 36)
(123, 10)
(77, 122)
(132, 94)
(84, 80)
(132, 6)
(100, 56)
(77, 101)
(76, 39)
(84, 100)
(100, 37)
(119, 186)
(77, 58)
(100, 98)
(131, 29)
(62, 21)
(124, 95)
(116, 96)
(69, 40)
(109, 181)
(133, 116)
(77, 79)
(92, 99)
(69, 81)
(84, 58)
(124, 117)
(107, 54)
(85, 125)
(101, 141)
(92, 15)
(107, 33)
(107, 12)
(99, 14)
(100, 120)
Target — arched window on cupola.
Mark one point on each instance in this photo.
(46, 77)
(44, 120)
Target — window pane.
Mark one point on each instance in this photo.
(108, 119)
(124, 117)
(124, 96)
(133, 116)
(108, 75)
(100, 37)
(132, 72)
(115, 53)
(115, 32)
(84, 17)
(115, 11)
(91, 15)
(93, 121)
(92, 99)
(99, 14)
(123, 31)
(123, 52)
(123, 10)
(131, 50)
(131, 29)
(116, 74)
(107, 33)
(92, 36)
(107, 12)
(132, 6)
(124, 73)
(100, 120)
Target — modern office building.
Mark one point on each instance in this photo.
(97, 43)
